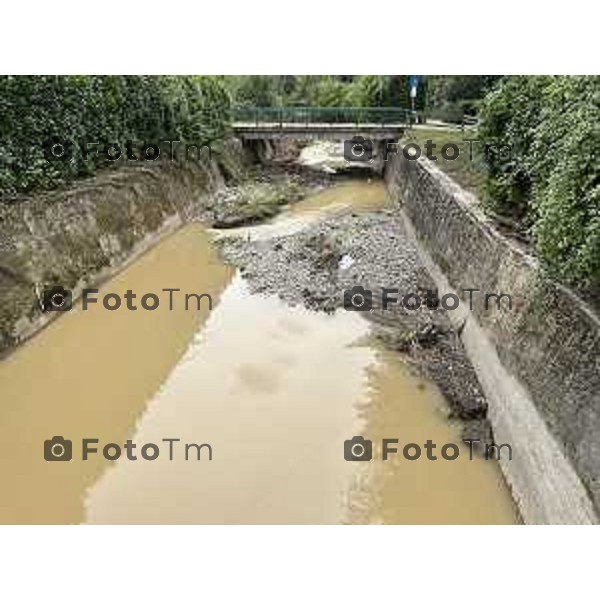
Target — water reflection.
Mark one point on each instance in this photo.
(272, 389)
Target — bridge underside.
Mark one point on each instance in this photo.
(327, 131)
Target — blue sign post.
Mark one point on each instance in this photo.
(414, 84)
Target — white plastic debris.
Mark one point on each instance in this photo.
(346, 262)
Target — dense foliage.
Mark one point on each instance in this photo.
(109, 109)
(549, 182)
(451, 96)
(551, 178)
(324, 90)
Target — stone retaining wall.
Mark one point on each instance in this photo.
(539, 362)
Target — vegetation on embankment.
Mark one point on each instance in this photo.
(547, 187)
(38, 110)
(550, 181)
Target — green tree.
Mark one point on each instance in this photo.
(551, 179)
(106, 109)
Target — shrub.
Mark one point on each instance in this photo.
(566, 195)
(34, 110)
(552, 178)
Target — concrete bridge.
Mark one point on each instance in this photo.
(332, 123)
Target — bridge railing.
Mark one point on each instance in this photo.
(280, 115)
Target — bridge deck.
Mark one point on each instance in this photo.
(262, 130)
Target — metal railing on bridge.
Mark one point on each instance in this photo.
(281, 115)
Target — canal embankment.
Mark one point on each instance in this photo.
(538, 363)
(527, 376)
(276, 390)
(82, 235)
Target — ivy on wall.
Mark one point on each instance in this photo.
(38, 111)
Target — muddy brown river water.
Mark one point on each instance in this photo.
(273, 389)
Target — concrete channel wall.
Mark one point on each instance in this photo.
(82, 235)
(538, 362)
